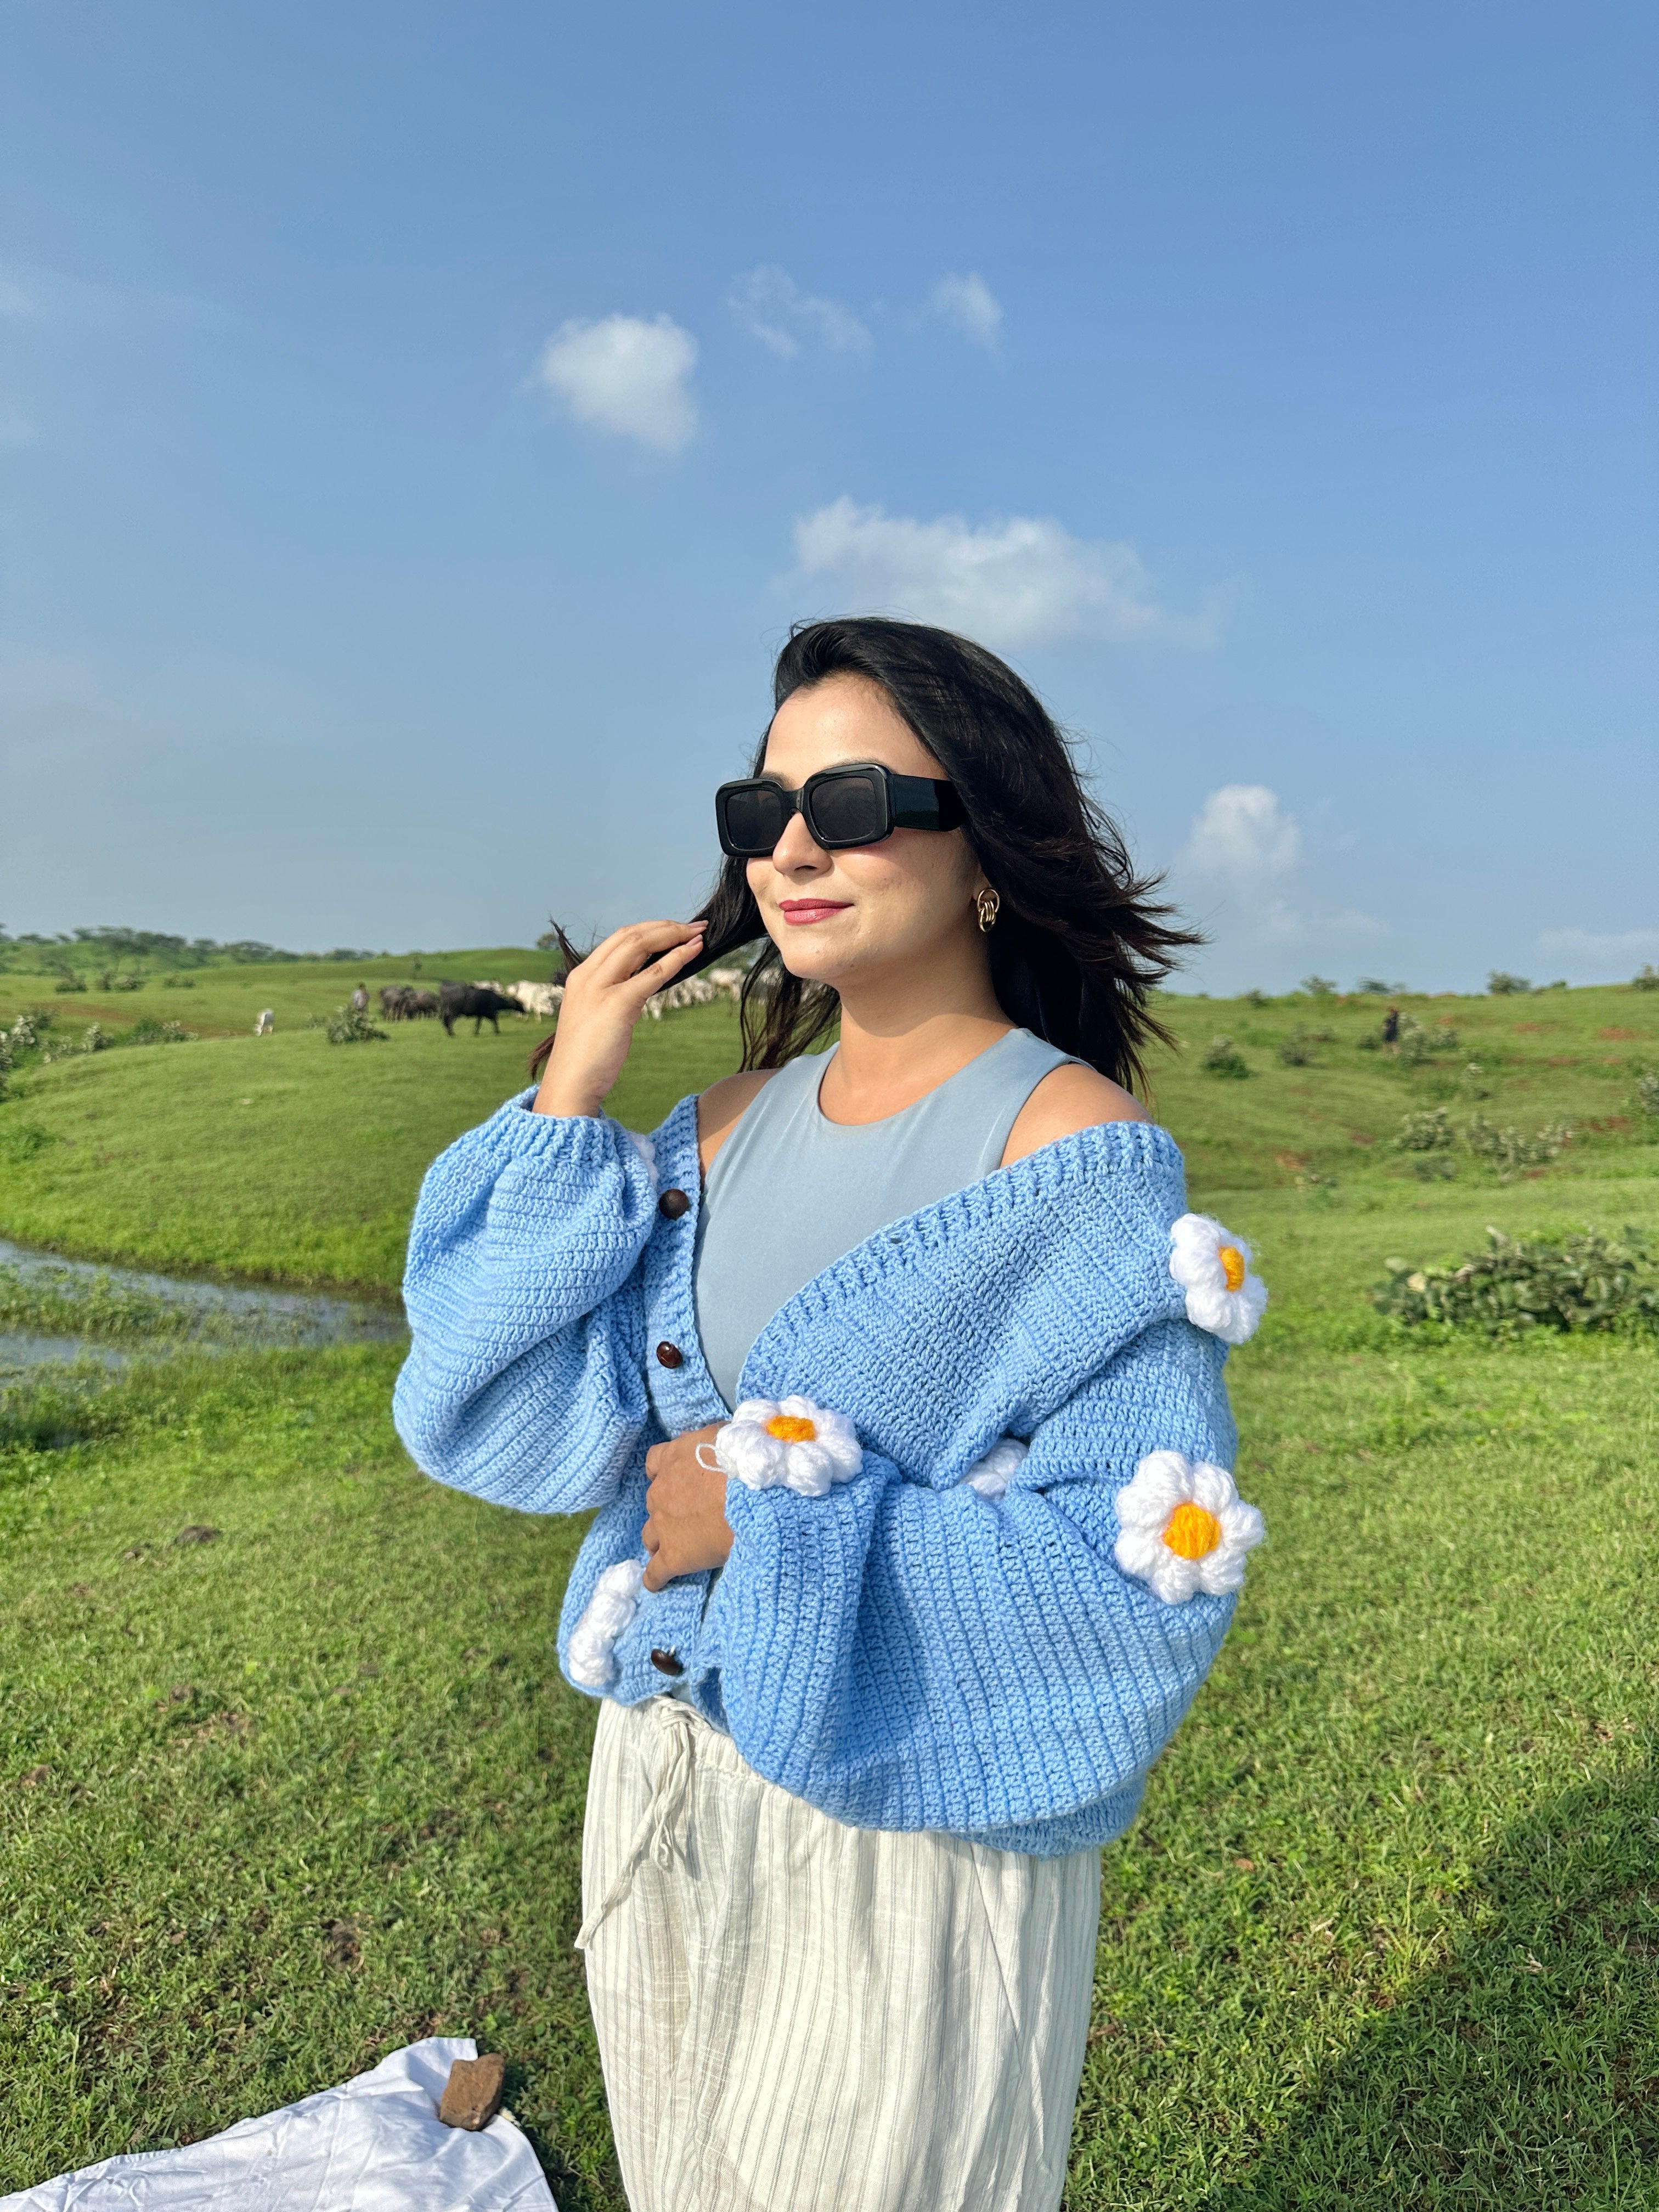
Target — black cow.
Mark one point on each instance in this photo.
(394, 1001)
(421, 1004)
(460, 1002)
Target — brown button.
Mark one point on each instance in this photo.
(670, 1355)
(672, 1204)
(667, 1663)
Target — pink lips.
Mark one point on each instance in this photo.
(801, 911)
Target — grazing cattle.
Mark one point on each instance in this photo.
(422, 1004)
(266, 1024)
(541, 998)
(395, 1001)
(460, 1002)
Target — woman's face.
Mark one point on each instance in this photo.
(834, 914)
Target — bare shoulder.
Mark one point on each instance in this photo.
(1067, 1100)
(722, 1106)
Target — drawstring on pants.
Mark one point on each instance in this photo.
(671, 1790)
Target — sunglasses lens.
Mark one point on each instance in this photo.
(849, 810)
(755, 816)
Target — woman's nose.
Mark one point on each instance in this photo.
(795, 848)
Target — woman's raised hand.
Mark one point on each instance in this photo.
(603, 997)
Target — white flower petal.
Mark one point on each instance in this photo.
(991, 1475)
(607, 1614)
(809, 1470)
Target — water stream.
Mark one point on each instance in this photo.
(129, 1314)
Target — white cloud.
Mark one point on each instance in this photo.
(1243, 841)
(1024, 581)
(969, 305)
(1243, 838)
(626, 375)
(772, 308)
(1619, 948)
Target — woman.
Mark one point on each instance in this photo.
(895, 1375)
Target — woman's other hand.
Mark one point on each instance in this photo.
(685, 1528)
(603, 997)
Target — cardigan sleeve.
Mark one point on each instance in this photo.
(904, 1656)
(524, 1380)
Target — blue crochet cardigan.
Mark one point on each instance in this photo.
(902, 1652)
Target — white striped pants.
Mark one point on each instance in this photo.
(798, 2016)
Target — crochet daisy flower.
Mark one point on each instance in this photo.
(1212, 1266)
(593, 1640)
(1185, 1529)
(789, 1442)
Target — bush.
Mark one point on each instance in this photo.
(95, 1038)
(1429, 1131)
(1575, 1283)
(177, 982)
(1647, 1090)
(1223, 1057)
(1297, 1050)
(1417, 1044)
(150, 1031)
(1317, 987)
(1509, 1150)
(346, 1025)
(1257, 999)
(1507, 986)
(1646, 977)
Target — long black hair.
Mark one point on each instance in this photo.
(1079, 945)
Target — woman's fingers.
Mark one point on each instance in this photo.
(626, 950)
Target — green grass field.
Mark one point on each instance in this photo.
(1388, 1932)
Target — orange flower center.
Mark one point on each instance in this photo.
(1191, 1532)
(791, 1429)
(1233, 1265)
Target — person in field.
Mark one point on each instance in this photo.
(893, 1377)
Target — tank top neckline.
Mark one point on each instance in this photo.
(887, 1121)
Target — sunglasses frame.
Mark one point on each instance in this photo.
(909, 802)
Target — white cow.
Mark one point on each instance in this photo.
(266, 1024)
(541, 998)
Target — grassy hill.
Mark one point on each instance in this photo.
(275, 1800)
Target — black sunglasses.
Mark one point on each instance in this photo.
(859, 804)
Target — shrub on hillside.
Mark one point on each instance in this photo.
(94, 1038)
(1575, 1283)
(1224, 1059)
(349, 1025)
(150, 1031)
(1647, 1090)
(1509, 1150)
(1318, 986)
(1646, 977)
(1297, 1050)
(1419, 1043)
(177, 982)
(1504, 986)
(1429, 1131)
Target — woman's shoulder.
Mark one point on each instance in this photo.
(1068, 1099)
(723, 1105)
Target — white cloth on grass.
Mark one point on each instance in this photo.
(798, 2016)
(376, 2144)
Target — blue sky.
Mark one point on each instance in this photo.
(420, 425)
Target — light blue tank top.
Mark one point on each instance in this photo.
(791, 1191)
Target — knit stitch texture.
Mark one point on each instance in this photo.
(904, 1652)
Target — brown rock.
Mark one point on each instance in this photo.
(473, 2096)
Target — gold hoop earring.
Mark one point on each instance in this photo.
(987, 905)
